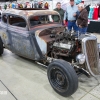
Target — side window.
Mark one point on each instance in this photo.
(38, 20)
(4, 19)
(17, 21)
(34, 20)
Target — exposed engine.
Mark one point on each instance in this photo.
(60, 43)
(65, 45)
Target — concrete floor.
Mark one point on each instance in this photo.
(22, 79)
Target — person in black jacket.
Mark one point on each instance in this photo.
(87, 8)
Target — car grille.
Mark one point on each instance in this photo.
(91, 49)
(92, 56)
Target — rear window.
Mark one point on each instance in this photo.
(17, 21)
(44, 19)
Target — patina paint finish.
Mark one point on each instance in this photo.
(26, 41)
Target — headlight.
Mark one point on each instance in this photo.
(80, 59)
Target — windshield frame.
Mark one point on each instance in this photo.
(45, 23)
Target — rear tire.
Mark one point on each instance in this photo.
(62, 77)
(1, 47)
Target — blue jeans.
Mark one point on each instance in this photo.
(82, 30)
(72, 25)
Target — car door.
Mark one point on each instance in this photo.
(5, 36)
(20, 38)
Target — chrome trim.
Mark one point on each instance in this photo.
(84, 40)
(41, 64)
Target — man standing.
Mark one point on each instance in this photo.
(82, 21)
(60, 11)
(70, 15)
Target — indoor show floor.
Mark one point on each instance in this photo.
(22, 79)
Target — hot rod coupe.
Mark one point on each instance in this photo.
(34, 34)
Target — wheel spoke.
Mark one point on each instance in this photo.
(58, 79)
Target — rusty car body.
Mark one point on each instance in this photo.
(33, 34)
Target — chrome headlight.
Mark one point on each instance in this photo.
(80, 59)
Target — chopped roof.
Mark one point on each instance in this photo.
(29, 12)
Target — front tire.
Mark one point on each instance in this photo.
(62, 77)
(1, 47)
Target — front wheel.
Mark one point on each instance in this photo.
(62, 77)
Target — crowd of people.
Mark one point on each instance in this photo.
(76, 17)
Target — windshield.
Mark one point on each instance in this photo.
(44, 19)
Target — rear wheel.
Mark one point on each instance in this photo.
(62, 77)
(1, 47)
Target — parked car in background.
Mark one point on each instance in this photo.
(32, 33)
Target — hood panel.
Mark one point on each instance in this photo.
(45, 33)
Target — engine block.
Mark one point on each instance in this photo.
(62, 45)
